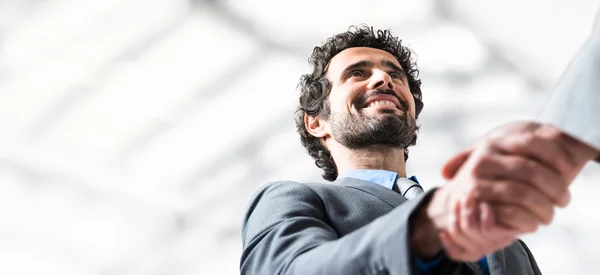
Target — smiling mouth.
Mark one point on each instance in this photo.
(376, 103)
(381, 99)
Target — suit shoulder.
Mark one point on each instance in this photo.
(278, 188)
(278, 185)
(278, 201)
(280, 196)
(523, 248)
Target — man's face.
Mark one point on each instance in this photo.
(370, 100)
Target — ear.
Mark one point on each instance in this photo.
(316, 126)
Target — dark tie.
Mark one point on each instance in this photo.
(408, 188)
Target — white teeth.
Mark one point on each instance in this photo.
(382, 102)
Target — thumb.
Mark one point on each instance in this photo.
(455, 163)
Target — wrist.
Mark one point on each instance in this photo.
(425, 229)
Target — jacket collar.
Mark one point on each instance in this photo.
(391, 197)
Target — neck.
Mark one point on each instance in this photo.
(377, 157)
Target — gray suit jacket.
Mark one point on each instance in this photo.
(574, 106)
(346, 227)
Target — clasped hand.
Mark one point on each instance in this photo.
(507, 185)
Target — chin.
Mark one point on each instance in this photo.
(388, 113)
(392, 112)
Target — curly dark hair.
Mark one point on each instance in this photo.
(315, 88)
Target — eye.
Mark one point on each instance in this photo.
(396, 75)
(356, 73)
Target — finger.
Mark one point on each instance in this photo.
(454, 227)
(578, 151)
(503, 239)
(470, 225)
(545, 151)
(453, 164)
(455, 251)
(498, 237)
(487, 217)
(494, 237)
(546, 180)
(470, 213)
(489, 236)
(515, 218)
(518, 194)
(463, 228)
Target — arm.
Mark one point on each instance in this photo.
(286, 232)
(574, 106)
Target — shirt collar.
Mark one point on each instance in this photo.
(381, 177)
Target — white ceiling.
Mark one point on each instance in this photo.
(134, 132)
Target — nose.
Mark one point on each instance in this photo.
(381, 80)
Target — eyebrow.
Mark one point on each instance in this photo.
(364, 64)
(391, 65)
(357, 65)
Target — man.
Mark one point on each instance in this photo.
(357, 117)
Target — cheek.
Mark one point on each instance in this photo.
(334, 105)
(411, 106)
(411, 100)
(339, 104)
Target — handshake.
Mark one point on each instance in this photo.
(506, 185)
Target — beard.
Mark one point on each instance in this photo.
(357, 131)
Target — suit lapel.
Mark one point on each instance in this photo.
(391, 197)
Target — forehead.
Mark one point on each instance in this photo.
(352, 55)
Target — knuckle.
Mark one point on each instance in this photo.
(563, 163)
(480, 164)
(531, 169)
(452, 229)
(510, 211)
(467, 226)
(554, 130)
(561, 195)
(551, 132)
(477, 170)
(531, 224)
(529, 139)
(550, 217)
(559, 191)
(488, 142)
(533, 227)
(565, 198)
(511, 192)
(476, 193)
(517, 191)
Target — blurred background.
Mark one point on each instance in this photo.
(133, 133)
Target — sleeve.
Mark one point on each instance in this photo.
(286, 231)
(534, 265)
(574, 106)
